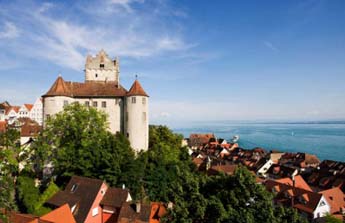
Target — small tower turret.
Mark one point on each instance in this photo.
(101, 68)
(137, 117)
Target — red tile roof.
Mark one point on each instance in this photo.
(158, 211)
(15, 108)
(136, 89)
(296, 193)
(29, 106)
(299, 182)
(87, 89)
(336, 199)
(83, 195)
(115, 197)
(62, 214)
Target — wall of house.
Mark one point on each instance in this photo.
(36, 112)
(322, 210)
(263, 170)
(91, 216)
(136, 122)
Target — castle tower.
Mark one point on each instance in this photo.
(102, 68)
(136, 117)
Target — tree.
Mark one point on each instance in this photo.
(330, 219)
(77, 142)
(29, 197)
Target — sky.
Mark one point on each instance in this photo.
(198, 60)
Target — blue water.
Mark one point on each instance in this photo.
(327, 141)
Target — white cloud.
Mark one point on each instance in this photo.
(125, 4)
(66, 41)
(9, 31)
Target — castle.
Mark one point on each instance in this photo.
(127, 110)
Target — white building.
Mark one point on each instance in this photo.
(36, 112)
(127, 110)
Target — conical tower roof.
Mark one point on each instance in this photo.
(59, 88)
(136, 90)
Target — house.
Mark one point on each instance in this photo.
(36, 112)
(158, 210)
(296, 181)
(199, 140)
(112, 203)
(3, 107)
(309, 204)
(59, 215)
(336, 198)
(228, 169)
(92, 201)
(127, 110)
(12, 114)
(84, 196)
(279, 171)
(29, 130)
(262, 170)
(300, 160)
(24, 110)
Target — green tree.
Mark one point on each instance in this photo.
(30, 199)
(78, 142)
(330, 219)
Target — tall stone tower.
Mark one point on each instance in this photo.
(137, 119)
(102, 68)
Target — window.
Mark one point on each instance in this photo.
(144, 116)
(102, 191)
(96, 75)
(101, 66)
(74, 188)
(94, 212)
(104, 104)
(117, 101)
(47, 116)
(65, 103)
(94, 104)
(87, 103)
(322, 203)
(134, 100)
(144, 101)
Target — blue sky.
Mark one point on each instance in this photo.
(229, 60)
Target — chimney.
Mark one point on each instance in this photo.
(138, 207)
(170, 205)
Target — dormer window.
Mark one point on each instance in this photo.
(74, 188)
(101, 66)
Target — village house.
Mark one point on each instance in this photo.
(295, 192)
(310, 204)
(92, 201)
(59, 215)
(12, 113)
(197, 141)
(329, 174)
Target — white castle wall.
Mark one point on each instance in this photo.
(113, 109)
(101, 75)
(137, 120)
(53, 105)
